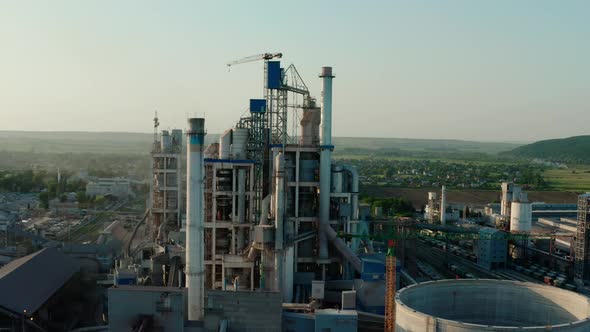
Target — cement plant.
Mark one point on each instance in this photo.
(264, 230)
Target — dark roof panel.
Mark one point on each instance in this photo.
(28, 282)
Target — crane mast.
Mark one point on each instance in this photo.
(390, 287)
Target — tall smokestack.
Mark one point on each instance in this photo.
(326, 148)
(443, 205)
(195, 259)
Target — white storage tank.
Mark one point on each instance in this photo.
(521, 216)
(240, 139)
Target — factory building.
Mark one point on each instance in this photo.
(266, 211)
(539, 210)
(438, 210)
(36, 292)
(272, 208)
(118, 187)
(491, 248)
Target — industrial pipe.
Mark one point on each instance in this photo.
(279, 212)
(341, 246)
(264, 212)
(354, 189)
(241, 207)
(325, 158)
(279, 200)
(326, 231)
(195, 267)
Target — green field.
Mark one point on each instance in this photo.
(575, 178)
(457, 160)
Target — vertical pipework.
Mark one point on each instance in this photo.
(443, 205)
(354, 197)
(354, 190)
(241, 207)
(325, 158)
(195, 267)
(279, 213)
(280, 200)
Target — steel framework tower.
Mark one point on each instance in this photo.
(581, 246)
(282, 96)
(256, 145)
(165, 202)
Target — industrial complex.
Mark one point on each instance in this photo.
(262, 230)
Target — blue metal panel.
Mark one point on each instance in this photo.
(126, 281)
(257, 105)
(370, 266)
(274, 75)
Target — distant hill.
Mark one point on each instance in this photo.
(79, 142)
(574, 150)
(412, 144)
(120, 142)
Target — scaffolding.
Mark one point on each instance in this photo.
(256, 148)
(581, 242)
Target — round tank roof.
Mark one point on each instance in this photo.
(490, 305)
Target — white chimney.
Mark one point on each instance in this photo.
(195, 259)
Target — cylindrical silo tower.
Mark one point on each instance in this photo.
(521, 216)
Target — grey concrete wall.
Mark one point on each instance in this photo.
(490, 305)
(166, 305)
(246, 311)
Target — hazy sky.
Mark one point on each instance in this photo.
(479, 70)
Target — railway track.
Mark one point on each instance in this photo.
(441, 256)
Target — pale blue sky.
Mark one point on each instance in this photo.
(481, 70)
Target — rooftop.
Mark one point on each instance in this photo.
(28, 282)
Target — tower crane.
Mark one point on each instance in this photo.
(263, 56)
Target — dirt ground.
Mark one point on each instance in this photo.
(476, 198)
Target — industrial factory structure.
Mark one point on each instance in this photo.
(438, 211)
(264, 210)
(268, 236)
(166, 191)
